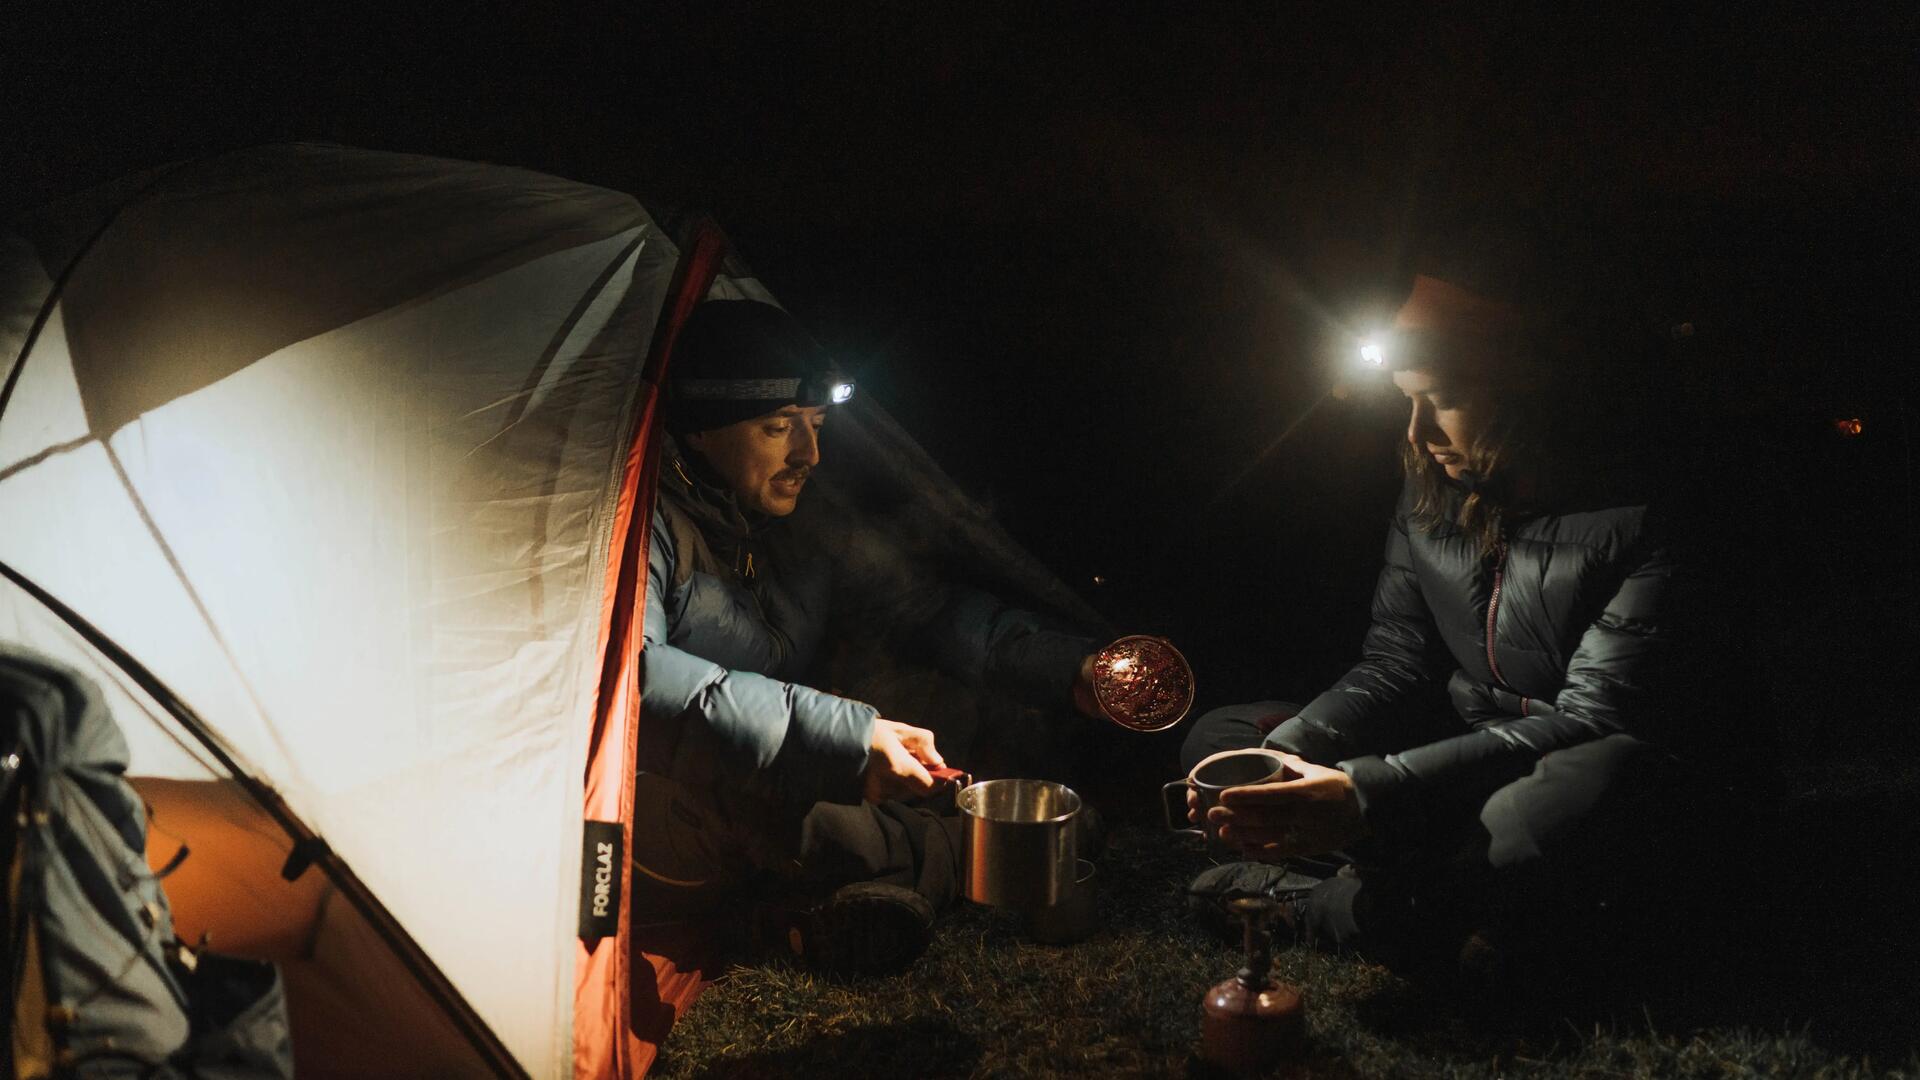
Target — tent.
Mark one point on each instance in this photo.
(332, 468)
(325, 463)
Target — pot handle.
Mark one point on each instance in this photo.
(960, 777)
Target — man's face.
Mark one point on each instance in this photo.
(766, 460)
(1448, 417)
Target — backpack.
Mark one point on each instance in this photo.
(98, 984)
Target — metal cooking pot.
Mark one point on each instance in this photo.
(1019, 842)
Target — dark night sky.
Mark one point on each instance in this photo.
(1099, 251)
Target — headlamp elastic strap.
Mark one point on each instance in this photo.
(738, 389)
(820, 388)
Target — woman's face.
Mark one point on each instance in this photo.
(1448, 418)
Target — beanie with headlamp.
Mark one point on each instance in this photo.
(1446, 327)
(741, 359)
(1493, 298)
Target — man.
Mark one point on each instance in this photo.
(754, 782)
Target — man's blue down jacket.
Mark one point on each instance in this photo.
(733, 626)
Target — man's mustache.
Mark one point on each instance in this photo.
(798, 474)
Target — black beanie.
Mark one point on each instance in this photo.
(738, 359)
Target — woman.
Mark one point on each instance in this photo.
(1531, 578)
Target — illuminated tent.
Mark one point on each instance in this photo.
(339, 449)
(331, 467)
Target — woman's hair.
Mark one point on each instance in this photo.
(1569, 410)
(1514, 438)
(1563, 392)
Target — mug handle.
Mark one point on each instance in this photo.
(1168, 804)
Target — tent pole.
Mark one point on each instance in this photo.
(703, 247)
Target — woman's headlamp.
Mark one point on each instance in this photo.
(1403, 350)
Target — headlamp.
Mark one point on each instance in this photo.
(824, 388)
(819, 388)
(1402, 350)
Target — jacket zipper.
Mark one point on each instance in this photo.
(1493, 610)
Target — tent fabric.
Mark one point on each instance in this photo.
(226, 854)
(348, 452)
(331, 441)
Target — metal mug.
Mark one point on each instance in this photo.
(1214, 774)
(1019, 844)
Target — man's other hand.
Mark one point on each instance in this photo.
(897, 762)
(1085, 701)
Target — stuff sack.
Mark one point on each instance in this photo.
(99, 987)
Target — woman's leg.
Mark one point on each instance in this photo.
(1542, 859)
(1584, 805)
(1598, 838)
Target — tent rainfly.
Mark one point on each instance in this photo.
(331, 468)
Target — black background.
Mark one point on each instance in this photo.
(1097, 260)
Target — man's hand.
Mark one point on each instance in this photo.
(897, 762)
(1310, 815)
(1085, 702)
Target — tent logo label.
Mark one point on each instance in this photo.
(600, 880)
(602, 877)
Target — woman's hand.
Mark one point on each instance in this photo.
(897, 762)
(1311, 814)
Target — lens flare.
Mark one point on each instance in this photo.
(1372, 353)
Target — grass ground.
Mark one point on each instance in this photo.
(1825, 989)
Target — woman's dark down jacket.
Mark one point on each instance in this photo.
(1569, 631)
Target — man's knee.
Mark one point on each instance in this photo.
(1232, 727)
(846, 843)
